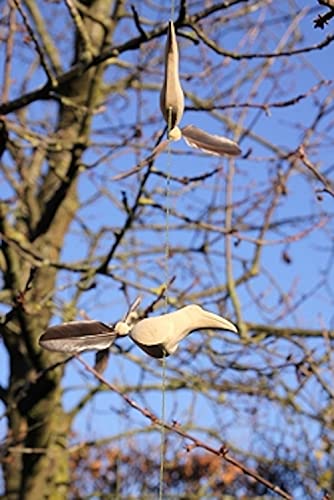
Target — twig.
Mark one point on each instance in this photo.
(39, 50)
(45, 91)
(137, 22)
(88, 48)
(135, 304)
(257, 55)
(265, 106)
(9, 54)
(182, 12)
(322, 20)
(147, 161)
(220, 452)
(103, 268)
(162, 292)
(3, 136)
(188, 180)
(230, 281)
(329, 188)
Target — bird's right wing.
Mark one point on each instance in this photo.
(150, 334)
(155, 351)
(77, 336)
(209, 143)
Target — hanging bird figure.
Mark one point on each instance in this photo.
(160, 336)
(172, 106)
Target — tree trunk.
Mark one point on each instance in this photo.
(36, 465)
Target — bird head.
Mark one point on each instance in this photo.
(200, 318)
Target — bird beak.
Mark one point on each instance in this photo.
(77, 336)
(227, 325)
(212, 320)
(171, 96)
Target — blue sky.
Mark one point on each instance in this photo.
(284, 128)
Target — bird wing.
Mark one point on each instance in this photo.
(151, 335)
(209, 143)
(156, 351)
(77, 336)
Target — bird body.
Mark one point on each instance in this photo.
(160, 336)
(171, 95)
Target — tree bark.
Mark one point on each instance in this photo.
(37, 466)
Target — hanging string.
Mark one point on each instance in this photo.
(163, 431)
(167, 192)
(167, 254)
(172, 9)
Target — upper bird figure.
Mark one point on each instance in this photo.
(172, 107)
(171, 95)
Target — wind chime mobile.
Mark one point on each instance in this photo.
(157, 336)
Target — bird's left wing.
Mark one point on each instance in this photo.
(77, 336)
(209, 143)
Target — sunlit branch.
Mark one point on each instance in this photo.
(222, 452)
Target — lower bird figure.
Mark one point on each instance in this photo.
(158, 336)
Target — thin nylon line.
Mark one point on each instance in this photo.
(163, 397)
(172, 10)
(163, 430)
(167, 252)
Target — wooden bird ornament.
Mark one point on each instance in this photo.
(158, 336)
(172, 106)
